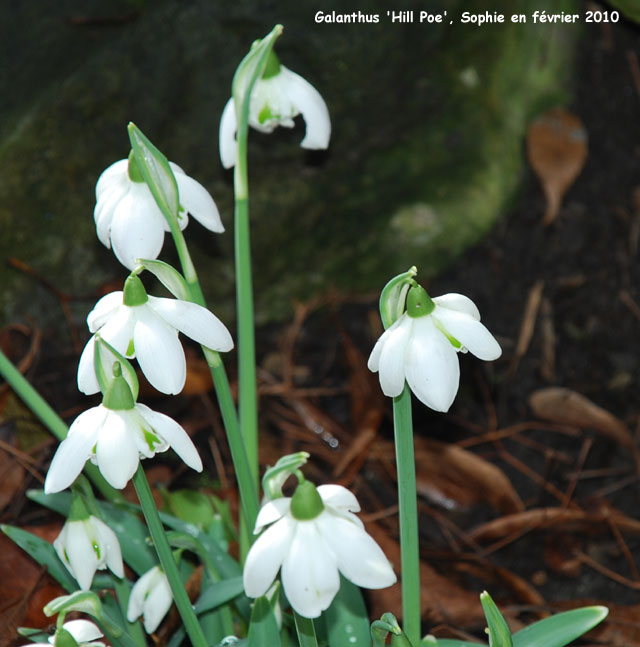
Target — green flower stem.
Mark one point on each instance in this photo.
(167, 560)
(247, 386)
(50, 419)
(408, 505)
(248, 491)
(305, 630)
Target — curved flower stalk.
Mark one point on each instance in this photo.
(115, 435)
(421, 347)
(277, 98)
(150, 598)
(86, 544)
(129, 220)
(313, 536)
(146, 327)
(84, 632)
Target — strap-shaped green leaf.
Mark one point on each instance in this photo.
(499, 633)
(263, 628)
(560, 629)
(347, 623)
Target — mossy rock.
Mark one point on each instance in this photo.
(428, 123)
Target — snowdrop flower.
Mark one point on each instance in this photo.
(146, 327)
(422, 346)
(129, 220)
(314, 536)
(86, 544)
(278, 97)
(150, 598)
(83, 632)
(115, 435)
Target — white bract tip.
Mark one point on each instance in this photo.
(276, 101)
(129, 220)
(423, 351)
(312, 553)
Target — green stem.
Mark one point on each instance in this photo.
(50, 419)
(408, 505)
(167, 560)
(306, 631)
(248, 491)
(247, 387)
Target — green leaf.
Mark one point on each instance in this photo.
(263, 628)
(190, 506)
(219, 593)
(629, 8)
(448, 642)
(560, 629)
(44, 553)
(393, 296)
(499, 633)
(168, 276)
(157, 173)
(346, 619)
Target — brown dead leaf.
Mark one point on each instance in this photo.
(448, 472)
(568, 407)
(11, 478)
(557, 151)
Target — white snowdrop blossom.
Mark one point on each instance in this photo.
(421, 347)
(84, 632)
(150, 598)
(87, 545)
(115, 440)
(277, 98)
(146, 327)
(129, 220)
(312, 545)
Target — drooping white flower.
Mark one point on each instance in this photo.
(313, 537)
(421, 347)
(277, 98)
(84, 632)
(129, 220)
(85, 545)
(150, 598)
(146, 327)
(115, 440)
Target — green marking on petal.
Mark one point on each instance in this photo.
(96, 549)
(151, 439)
(452, 340)
(265, 114)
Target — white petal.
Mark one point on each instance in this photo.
(170, 431)
(104, 210)
(74, 450)
(458, 302)
(309, 572)
(82, 557)
(431, 366)
(338, 497)
(137, 230)
(118, 330)
(104, 310)
(271, 512)
(110, 175)
(310, 103)
(109, 547)
(116, 452)
(87, 381)
(359, 558)
(227, 135)
(391, 367)
(194, 321)
(139, 593)
(82, 630)
(266, 556)
(469, 332)
(157, 603)
(199, 203)
(159, 351)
